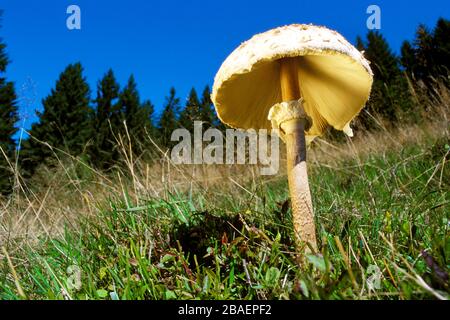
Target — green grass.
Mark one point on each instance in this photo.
(384, 216)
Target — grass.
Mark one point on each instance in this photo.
(382, 220)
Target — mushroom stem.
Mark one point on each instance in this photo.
(294, 134)
(302, 209)
(290, 89)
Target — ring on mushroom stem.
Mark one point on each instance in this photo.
(298, 79)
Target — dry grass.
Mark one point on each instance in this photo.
(58, 197)
(381, 200)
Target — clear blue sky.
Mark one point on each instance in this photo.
(168, 43)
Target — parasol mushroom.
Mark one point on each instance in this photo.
(297, 79)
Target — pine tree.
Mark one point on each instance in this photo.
(383, 62)
(432, 50)
(169, 118)
(8, 119)
(428, 57)
(136, 115)
(150, 112)
(408, 58)
(389, 91)
(441, 39)
(360, 44)
(191, 111)
(64, 122)
(208, 114)
(424, 52)
(107, 123)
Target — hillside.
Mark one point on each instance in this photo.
(182, 232)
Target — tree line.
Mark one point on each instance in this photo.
(421, 63)
(90, 128)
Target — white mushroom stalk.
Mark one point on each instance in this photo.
(297, 79)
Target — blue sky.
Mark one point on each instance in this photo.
(168, 43)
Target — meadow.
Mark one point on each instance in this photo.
(155, 230)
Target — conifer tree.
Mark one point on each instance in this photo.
(208, 113)
(169, 118)
(136, 115)
(107, 123)
(383, 62)
(389, 93)
(441, 39)
(191, 111)
(150, 112)
(424, 52)
(8, 119)
(408, 58)
(64, 122)
(360, 44)
(427, 58)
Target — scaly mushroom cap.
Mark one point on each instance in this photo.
(334, 77)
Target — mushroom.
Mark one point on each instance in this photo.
(296, 79)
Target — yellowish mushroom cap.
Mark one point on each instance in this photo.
(334, 78)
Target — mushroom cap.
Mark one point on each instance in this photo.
(334, 78)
